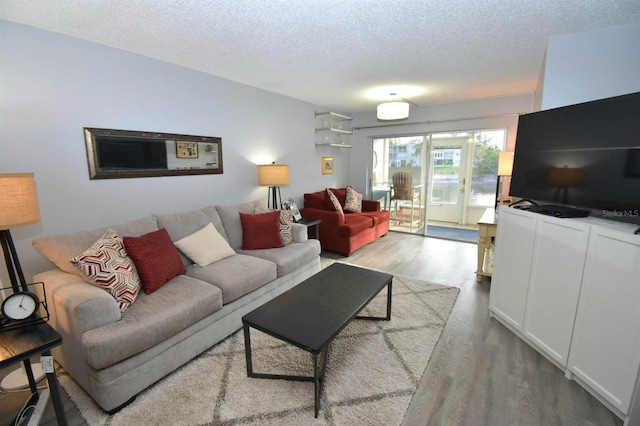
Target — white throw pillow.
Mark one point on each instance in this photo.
(205, 246)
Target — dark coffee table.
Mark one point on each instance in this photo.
(312, 314)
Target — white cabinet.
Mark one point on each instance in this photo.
(571, 289)
(331, 127)
(512, 264)
(554, 284)
(605, 349)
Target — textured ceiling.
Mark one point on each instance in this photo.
(346, 55)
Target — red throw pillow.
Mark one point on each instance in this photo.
(261, 231)
(156, 259)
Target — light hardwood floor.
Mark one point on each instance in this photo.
(480, 373)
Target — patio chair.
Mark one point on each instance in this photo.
(402, 189)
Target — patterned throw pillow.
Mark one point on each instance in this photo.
(107, 265)
(261, 231)
(286, 219)
(335, 202)
(353, 202)
(156, 258)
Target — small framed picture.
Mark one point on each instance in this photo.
(186, 149)
(327, 165)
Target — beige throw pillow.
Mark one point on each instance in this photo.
(205, 246)
(353, 202)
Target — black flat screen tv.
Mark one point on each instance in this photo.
(585, 155)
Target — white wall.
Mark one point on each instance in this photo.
(443, 117)
(54, 85)
(591, 65)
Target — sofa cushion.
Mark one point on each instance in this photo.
(205, 246)
(380, 216)
(236, 275)
(315, 200)
(261, 231)
(354, 224)
(286, 223)
(152, 319)
(230, 218)
(106, 265)
(353, 201)
(60, 248)
(181, 225)
(341, 195)
(289, 258)
(156, 258)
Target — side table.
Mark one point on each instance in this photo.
(487, 227)
(311, 222)
(21, 344)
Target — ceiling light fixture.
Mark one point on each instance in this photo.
(394, 110)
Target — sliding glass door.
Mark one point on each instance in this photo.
(454, 177)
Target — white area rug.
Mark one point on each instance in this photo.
(373, 371)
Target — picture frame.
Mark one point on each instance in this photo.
(289, 204)
(327, 165)
(186, 149)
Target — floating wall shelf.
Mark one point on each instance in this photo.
(334, 123)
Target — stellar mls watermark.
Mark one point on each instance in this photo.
(621, 213)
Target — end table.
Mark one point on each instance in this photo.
(311, 222)
(21, 344)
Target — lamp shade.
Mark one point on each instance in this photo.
(505, 163)
(18, 200)
(393, 110)
(273, 175)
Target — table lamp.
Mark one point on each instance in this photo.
(505, 167)
(18, 207)
(274, 176)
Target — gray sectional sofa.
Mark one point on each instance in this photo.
(114, 355)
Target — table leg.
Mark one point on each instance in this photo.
(29, 373)
(481, 251)
(247, 349)
(389, 300)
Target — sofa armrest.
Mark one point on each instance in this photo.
(76, 306)
(299, 232)
(370, 206)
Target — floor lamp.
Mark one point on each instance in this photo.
(505, 166)
(274, 176)
(18, 207)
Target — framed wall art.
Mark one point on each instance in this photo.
(186, 149)
(327, 165)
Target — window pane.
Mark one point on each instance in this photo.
(484, 175)
(446, 179)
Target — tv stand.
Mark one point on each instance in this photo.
(569, 288)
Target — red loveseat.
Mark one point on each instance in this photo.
(345, 233)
